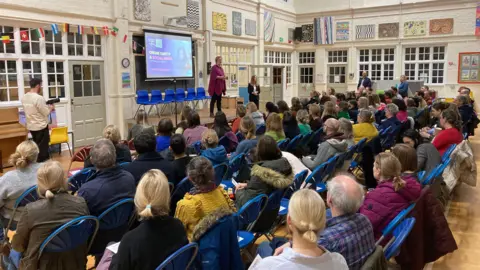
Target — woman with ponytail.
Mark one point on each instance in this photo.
(305, 221)
(247, 128)
(54, 208)
(158, 235)
(13, 183)
(392, 194)
(451, 133)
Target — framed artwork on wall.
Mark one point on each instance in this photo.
(468, 67)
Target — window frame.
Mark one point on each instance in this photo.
(7, 86)
(284, 59)
(420, 61)
(378, 62)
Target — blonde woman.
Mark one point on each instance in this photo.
(392, 194)
(275, 127)
(365, 127)
(213, 152)
(14, 183)
(303, 119)
(54, 208)
(252, 111)
(329, 111)
(254, 91)
(247, 128)
(305, 221)
(123, 154)
(159, 234)
(315, 116)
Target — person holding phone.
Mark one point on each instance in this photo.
(254, 91)
(217, 85)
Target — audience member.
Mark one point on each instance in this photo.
(257, 116)
(412, 108)
(270, 172)
(331, 91)
(13, 183)
(428, 97)
(353, 109)
(241, 112)
(402, 109)
(365, 127)
(363, 103)
(334, 143)
(324, 99)
(122, 151)
(183, 125)
(215, 153)
(403, 87)
(140, 125)
(165, 130)
(194, 131)
(465, 109)
(346, 128)
(148, 158)
(340, 97)
(428, 156)
(303, 120)
(282, 107)
(178, 146)
(315, 119)
(343, 110)
(247, 128)
(451, 133)
(392, 194)
(333, 99)
(395, 92)
(314, 97)
(296, 106)
(159, 235)
(204, 198)
(305, 221)
(389, 95)
(270, 107)
(54, 208)
(329, 111)
(422, 103)
(274, 127)
(221, 127)
(290, 125)
(390, 113)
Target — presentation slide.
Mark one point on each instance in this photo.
(168, 55)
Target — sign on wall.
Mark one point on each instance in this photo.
(343, 31)
(415, 28)
(468, 67)
(441, 26)
(219, 21)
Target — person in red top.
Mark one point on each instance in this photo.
(217, 85)
(241, 111)
(451, 134)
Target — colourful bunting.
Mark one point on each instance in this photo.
(54, 28)
(95, 30)
(24, 35)
(6, 39)
(125, 38)
(105, 30)
(66, 28)
(114, 31)
(40, 33)
(80, 29)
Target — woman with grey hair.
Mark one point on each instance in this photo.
(365, 127)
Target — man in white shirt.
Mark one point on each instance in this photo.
(37, 111)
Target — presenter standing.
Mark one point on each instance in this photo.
(217, 85)
(254, 91)
(36, 112)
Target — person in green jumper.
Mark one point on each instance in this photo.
(275, 127)
(343, 110)
(303, 118)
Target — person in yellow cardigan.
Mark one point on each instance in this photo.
(204, 198)
(365, 127)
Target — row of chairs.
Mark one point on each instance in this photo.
(438, 170)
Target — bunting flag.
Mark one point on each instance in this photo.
(105, 30)
(66, 28)
(40, 33)
(114, 31)
(54, 28)
(80, 30)
(24, 35)
(6, 39)
(94, 30)
(125, 38)
(134, 45)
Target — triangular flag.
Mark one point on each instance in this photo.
(54, 28)
(114, 31)
(24, 35)
(95, 30)
(105, 30)
(5, 39)
(125, 38)
(80, 30)
(40, 33)
(66, 27)
(134, 45)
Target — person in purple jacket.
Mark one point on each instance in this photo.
(392, 195)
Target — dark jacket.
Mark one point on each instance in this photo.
(123, 155)
(428, 157)
(179, 167)
(392, 121)
(291, 131)
(316, 124)
(148, 161)
(353, 115)
(266, 176)
(216, 155)
(466, 111)
(251, 97)
(366, 82)
(38, 220)
(148, 245)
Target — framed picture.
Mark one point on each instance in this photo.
(469, 67)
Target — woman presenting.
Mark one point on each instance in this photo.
(217, 85)
(254, 91)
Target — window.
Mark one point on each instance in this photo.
(425, 63)
(7, 47)
(337, 74)
(56, 80)
(378, 63)
(289, 74)
(337, 56)
(279, 59)
(31, 69)
(306, 74)
(306, 58)
(8, 80)
(75, 44)
(32, 45)
(53, 43)
(233, 57)
(94, 45)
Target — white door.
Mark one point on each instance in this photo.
(337, 77)
(278, 83)
(88, 101)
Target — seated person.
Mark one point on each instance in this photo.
(282, 108)
(428, 156)
(274, 127)
(54, 208)
(408, 159)
(165, 130)
(465, 109)
(451, 133)
(290, 125)
(346, 128)
(158, 236)
(247, 128)
(194, 131)
(257, 116)
(315, 119)
(392, 194)
(241, 111)
(270, 107)
(391, 111)
(365, 127)
(412, 109)
(334, 143)
(13, 183)
(122, 152)
(421, 94)
(213, 152)
(148, 158)
(329, 111)
(305, 221)
(221, 127)
(141, 124)
(271, 172)
(178, 146)
(343, 110)
(183, 125)
(402, 109)
(395, 93)
(303, 120)
(296, 106)
(204, 198)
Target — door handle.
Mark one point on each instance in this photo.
(71, 101)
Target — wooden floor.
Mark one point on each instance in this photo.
(463, 215)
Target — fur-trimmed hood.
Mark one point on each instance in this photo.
(277, 173)
(209, 221)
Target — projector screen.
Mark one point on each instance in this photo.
(168, 55)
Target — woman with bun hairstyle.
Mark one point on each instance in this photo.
(54, 208)
(158, 236)
(112, 133)
(14, 183)
(213, 152)
(305, 221)
(451, 133)
(204, 198)
(392, 194)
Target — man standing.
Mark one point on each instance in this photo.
(37, 111)
(364, 81)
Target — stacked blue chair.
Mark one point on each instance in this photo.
(155, 100)
(316, 179)
(220, 171)
(28, 196)
(247, 217)
(448, 152)
(260, 130)
(168, 100)
(283, 144)
(180, 259)
(76, 181)
(297, 183)
(191, 97)
(395, 222)
(293, 144)
(179, 96)
(400, 234)
(201, 97)
(234, 167)
(142, 100)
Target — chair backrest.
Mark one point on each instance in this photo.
(76, 181)
(78, 231)
(225, 142)
(283, 144)
(169, 95)
(190, 93)
(294, 142)
(331, 165)
(306, 139)
(220, 171)
(200, 92)
(394, 223)
(249, 212)
(240, 136)
(420, 175)
(82, 154)
(400, 233)
(260, 130)
(274, 199)
(180, 259)
(156, 96)
(299, 179)
(198, 147)
(180, 94)
(316, 176)
(28, 196)
(142, 96)
(117, 215)
(432, 175)
(59, 134)
(235, 165)
(448, 152)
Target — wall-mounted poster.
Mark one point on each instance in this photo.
(219, 21)
(323, 30)
(307, 33)
(388, 30)
(415, 28)
(469, 68)
(236, 23)
(269, 26)
(441, 26)
(250, 27)
(365, 31)
(193, 14)
(343, 31)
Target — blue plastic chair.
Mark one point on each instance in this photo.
(448, 152)
(283, 144)
(201, 96)
(420, 175)
(76, 181)
(117, 215)
(331, 166)
(306, 139)
(180, 95)
(234, 166)
(261, 130)
(155, 100)
(297, 183)
(180, 259)
(431, 176)
(294, 143)
(76, 232)
(28, 196)
(442, 167)
(220, 171)
(316, 179)
(240, 136)
(168, 100)
(394, 223)
(179, 192)
(198, 147)
(247, 216)
(142, 100)
(191, 97)
(400, 233)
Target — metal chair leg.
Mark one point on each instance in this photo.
(69, 150)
